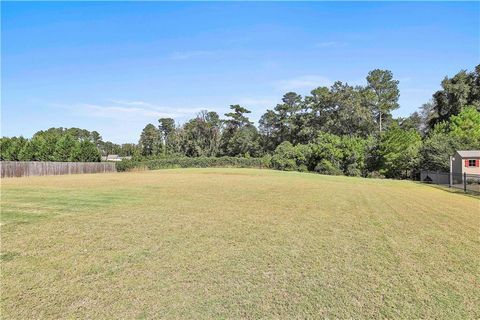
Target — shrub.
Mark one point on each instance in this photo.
(326, 167)
(126, 165)
(473, 181)
(291, 158)
(284, 157)
(198, 162)
(375, 175)
(353, 170)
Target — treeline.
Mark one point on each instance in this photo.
(54, 144)
(61, 144)
(340, 129)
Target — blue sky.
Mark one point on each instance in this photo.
(114, 67)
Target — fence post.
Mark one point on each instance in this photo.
(465, 182)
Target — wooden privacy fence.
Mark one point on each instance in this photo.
(40, 168)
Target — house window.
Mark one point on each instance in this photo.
(472, 163)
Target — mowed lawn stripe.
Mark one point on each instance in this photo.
(236, 243)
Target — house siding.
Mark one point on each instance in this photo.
(458, 165)
(471, 170)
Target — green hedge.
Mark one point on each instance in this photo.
(200, 162)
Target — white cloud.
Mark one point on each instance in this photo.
(148, 105)
(303, 82)
(131, 103)
(330, 44)
(120, 121)
(134, 110)
(122, 112)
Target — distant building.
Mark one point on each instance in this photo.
(464, 161)
(115, 157)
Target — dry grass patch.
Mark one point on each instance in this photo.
(236, 243)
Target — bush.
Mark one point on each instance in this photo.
(473, 181)
(353, 170)
(326, 167)
(328, 154)
(375, 175)
(291, 158)
(267, 161)
(198, 162)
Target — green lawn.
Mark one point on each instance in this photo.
(236, 243)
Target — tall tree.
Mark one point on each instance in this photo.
(239, 137)
(317, 112)
(384, 93)
(348, 114)
(461, 90)
(237, 117)
(31, 150)
(11, 148)
(150, 141)
(85, 151)
(399, 151)
(288, 116)
(414, 121)
(466, 126)
(96, 138)
(268, 128)
(167, 129)
(461, 132)
(65, 148)
(129, 149)
(284, 122)
(201, 136)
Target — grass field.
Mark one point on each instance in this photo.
(236, 243)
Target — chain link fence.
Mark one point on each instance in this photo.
(464, 181)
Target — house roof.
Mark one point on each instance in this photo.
(112, 156)
(469, 153)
